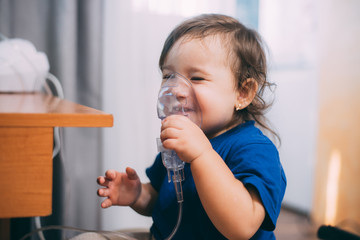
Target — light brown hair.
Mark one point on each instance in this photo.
(246, 55)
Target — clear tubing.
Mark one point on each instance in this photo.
(177, 179)
(178, 222)
(175, 168)
(38, 226)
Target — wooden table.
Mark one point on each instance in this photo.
(26, 144)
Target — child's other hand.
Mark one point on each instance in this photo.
(120, 188)
(179, 133)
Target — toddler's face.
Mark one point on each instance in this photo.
(205, 63)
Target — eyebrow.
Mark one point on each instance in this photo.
(189, 70)
(164, 67)
(198, 70)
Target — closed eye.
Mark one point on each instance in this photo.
(166, 76)
(197, 79)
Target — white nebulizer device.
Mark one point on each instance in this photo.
(176, 97)
(22, 67)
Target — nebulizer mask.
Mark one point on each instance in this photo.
(176, 97)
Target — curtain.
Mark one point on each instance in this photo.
(70, 33)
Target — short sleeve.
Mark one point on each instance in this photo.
(156, 173)
(258, 164)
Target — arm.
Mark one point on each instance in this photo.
(237, 212)
(145, 203)
(125, 189)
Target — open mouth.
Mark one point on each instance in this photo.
(186, 109)
(183, 109)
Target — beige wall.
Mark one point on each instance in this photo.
(337, 186)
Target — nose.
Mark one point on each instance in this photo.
(177, 87)
(177, 96)
(180, 96)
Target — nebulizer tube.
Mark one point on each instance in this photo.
(176, 97)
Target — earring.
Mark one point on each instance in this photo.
(238, 107)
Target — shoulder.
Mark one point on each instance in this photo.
(245, 149)
(243, 137)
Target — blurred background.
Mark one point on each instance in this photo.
(105, 54)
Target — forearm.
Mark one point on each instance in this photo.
(145, 203)
(235, 212)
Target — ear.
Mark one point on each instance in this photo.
(246, 93)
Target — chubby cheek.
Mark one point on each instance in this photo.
(216, 114)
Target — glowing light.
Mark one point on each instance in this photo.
(332, 187)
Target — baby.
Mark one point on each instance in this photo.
(234, 182)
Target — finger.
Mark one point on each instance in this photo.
(132, 175)
(102, 181)
(170, 143)
(169, 133)
(110, 174)
(172, 121)
(106, 203)
(103, 192)
(174, 117)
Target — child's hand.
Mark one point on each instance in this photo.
(179, 133)
(120, 188)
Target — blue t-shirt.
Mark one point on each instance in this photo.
(252, 158)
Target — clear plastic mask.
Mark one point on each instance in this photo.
(176, 96)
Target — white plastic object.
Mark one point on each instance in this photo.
(22, 67)
(176, 96)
